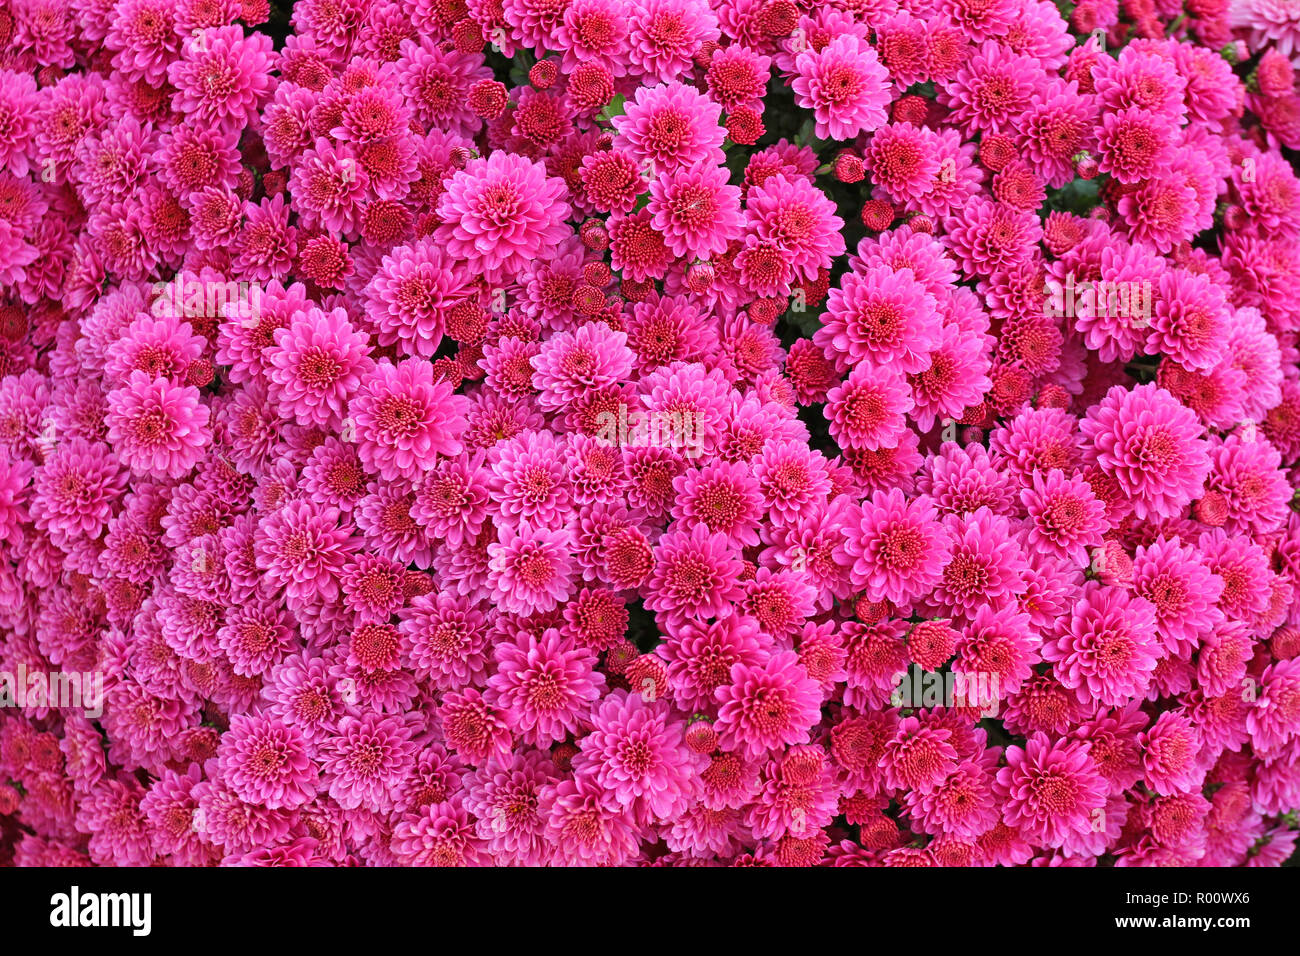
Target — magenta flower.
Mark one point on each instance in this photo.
(267, 761)
(316, 366)
(498, 213)
(404, 418)
(156, 428)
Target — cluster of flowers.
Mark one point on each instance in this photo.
(464, 435)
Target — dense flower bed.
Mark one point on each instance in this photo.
(667, 432)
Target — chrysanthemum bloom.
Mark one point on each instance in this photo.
(664, 35)
(583, 828)
(438, 834)
(316, 365)
(267, 761)
(544, 686)
(404, 419)
(473, 727)
(1141, 77)
(451, 501)
(767, 705)
(1172, 752)
(531, 568)
(987, 566)
(1133, 144)
(881, 317)
(637, 753)
(1275, 718)
(194, 157)
(1051, 789)
(157, 428)
(987, 236)
(1182, 590)
(411, 293)
(1109, 651)
(223, 76)
(75, 490)
(722, 496)
(991, 89)
(328, 186)
(696, 210)
(364, 762)
(303, 548)
(918, 758)
(1055, 127)
(867, 410)
(1067, 519)
(1151, 445)
(256, 636)
(571, 364)
(998, 647)
(500, 212)
(1190, 320)
(671, 125)
(163, 347)
(902, 160)
(899, 548)
(444, 640)
(845, 86)
(696, 575)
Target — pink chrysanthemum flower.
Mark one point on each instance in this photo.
(364, 762)
(411, 293)
(1190, 320)
(1151, 445)
(267, 761)
(581, 826)
(75, 490)
(899, 549)
(845, 86)
(1109, 652)
(444, 640)
(671, 125)
(530, 568)
(328, 186)
(767, 705)
(157, 429)
(991, 89)
(998, 647)
(987, 566)
(256, 636)
(572, 364)
(722, 496)
(529, 480)
(797, 216)
(1183, 591)
(880, 317)
(404, 418)
(499, 212)
(505, 795)
(695, 575)
(1172, 754)
(302, 548)
(918, 758)
(902, 160)
(544, 686)
(867, 410)
(144, 38)
(1052, 790)
(637, 753)
(696, 210)
(987, 236)
(1066, 517)
(316, 365)
(223, 76)
(664, 36)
